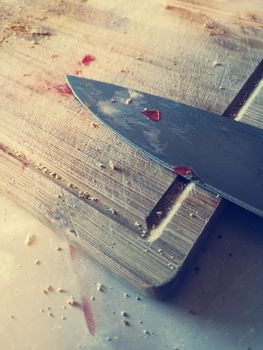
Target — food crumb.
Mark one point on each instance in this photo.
(146, 332)
(12, 317)
(100, 287)
(30, 239)
(111, 165)
(59, 249)
(50, 314)
(124, 314)
(100, 165)
(42, 311)
(138, 298)
(71, 301)
(112, 100)
(109, 339)
(216, 64)
(126, 295)
(37, 262)
(126, 323)
(50, 289)
(63, 317)
(92, 298)
(60, 290)
(159, 214)
(112, 211)
(128, 101)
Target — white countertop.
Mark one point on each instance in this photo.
(218, 304)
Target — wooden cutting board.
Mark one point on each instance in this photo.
(75, 175)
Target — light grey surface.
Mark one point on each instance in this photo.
(218, 304)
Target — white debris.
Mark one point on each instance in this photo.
(30, 239)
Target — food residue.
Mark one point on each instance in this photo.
(87, 59)
(100, 287)
(30, 239)
(63, 89)
(71, 301)
(126, 323)
(128, 101)
(111, 165)
(37, 262)
(154, 115)
(182, 170)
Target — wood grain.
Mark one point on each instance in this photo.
(196, 53)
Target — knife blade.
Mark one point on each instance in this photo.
(220, 154)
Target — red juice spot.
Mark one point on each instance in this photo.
(182, 170)
(89, 316)
(87, 59)
(63, 89)
(153, 115)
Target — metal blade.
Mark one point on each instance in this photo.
(225, 156)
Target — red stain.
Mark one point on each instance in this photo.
(182, 170)
(87, 59)
(153, 115)
(89, 316)
(63, 89)
(3, 148)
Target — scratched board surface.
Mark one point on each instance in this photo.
(73, 173)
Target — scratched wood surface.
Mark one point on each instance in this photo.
(55, 160)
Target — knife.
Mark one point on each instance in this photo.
(222, 155)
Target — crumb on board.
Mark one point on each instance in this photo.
(37, 262)
(61, 290)
(92, 298)
(100, 165)
(59, 249)
(50, 314)
(41, 310)
(111, 165)
(126, 295)
(146, 332)
(30, 239)
(63, 318)
(112, 211)
(12, 317)
(128, 101)
(112, 100)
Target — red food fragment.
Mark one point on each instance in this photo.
(169, 7)
(63, 89)
(153, 115)
(182, 170)
(89, 316)
(87, 59)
